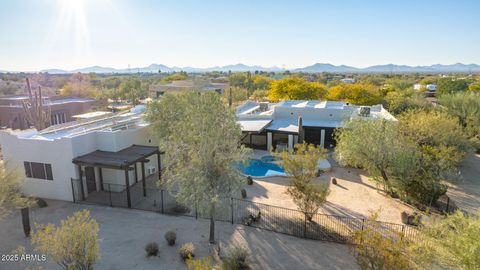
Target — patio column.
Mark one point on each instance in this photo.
(322, 138)
(290, 142)
(80, 176)
(100, 175)
(159, 166)
(269, 141)
(143, 180)
(127, 182)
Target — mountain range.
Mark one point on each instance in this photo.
(315, 68)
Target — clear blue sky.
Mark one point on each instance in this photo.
(68, 34)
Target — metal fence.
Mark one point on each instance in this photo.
(238, 211)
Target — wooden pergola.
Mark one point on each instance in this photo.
(121, 160)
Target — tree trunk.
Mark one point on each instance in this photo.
(26, 221)
(212, 226)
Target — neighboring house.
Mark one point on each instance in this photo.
(274, 126)
(101, 150)
(348, 80)
(185, 85)
(62, 110)
(418, 86)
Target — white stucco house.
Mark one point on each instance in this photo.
(106, 152)
(275, 126)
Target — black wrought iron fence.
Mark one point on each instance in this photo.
(323, 227)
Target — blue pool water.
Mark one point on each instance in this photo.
(261, 168)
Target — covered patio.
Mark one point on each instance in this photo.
(91, 168)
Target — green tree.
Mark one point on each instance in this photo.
(356, 93)
(200, 137)
(401, 101)
(466, 107)
(72, 245)
(434, 128)
(454, 242)
(451, 85)
(133, 90)
(372, 145)
(302, 168)
(394, 160)
(296, 88)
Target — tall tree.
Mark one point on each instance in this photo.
(200, 137)
(73, 245)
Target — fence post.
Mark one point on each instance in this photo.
(196, 212)
(161, 198)
(110, 194)
(305, 226)
(403, 231)
(231, 207)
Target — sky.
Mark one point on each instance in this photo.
(70, 34)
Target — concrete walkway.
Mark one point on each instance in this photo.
(124, 233)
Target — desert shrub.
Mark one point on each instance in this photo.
(205, 263)
(171, 237)
(187, 251)
(236, 258)
(151, 249)
(244, 193)
(41, 202)
(249, 180)
(180, 209)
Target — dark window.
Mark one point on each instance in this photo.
(28, 170)
(48, 171)
(38, 170)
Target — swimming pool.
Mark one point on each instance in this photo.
(261, 168)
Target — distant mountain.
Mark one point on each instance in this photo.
(322, 67)
(391, 68)
(315, 68)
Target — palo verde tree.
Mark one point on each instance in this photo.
(200, 137)
(302, 167)
(72, 245)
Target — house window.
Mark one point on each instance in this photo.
(38, 170)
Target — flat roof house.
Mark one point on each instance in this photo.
(62, 110)
(274, 126)
(109, 153)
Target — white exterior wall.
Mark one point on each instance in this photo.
(60, 152)
(312, 113)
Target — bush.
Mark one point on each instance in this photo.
(151, 249)
(244, 193)
(236, 258)
(249, 180)
(41, 202)
(170, 237)
(186, 251)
